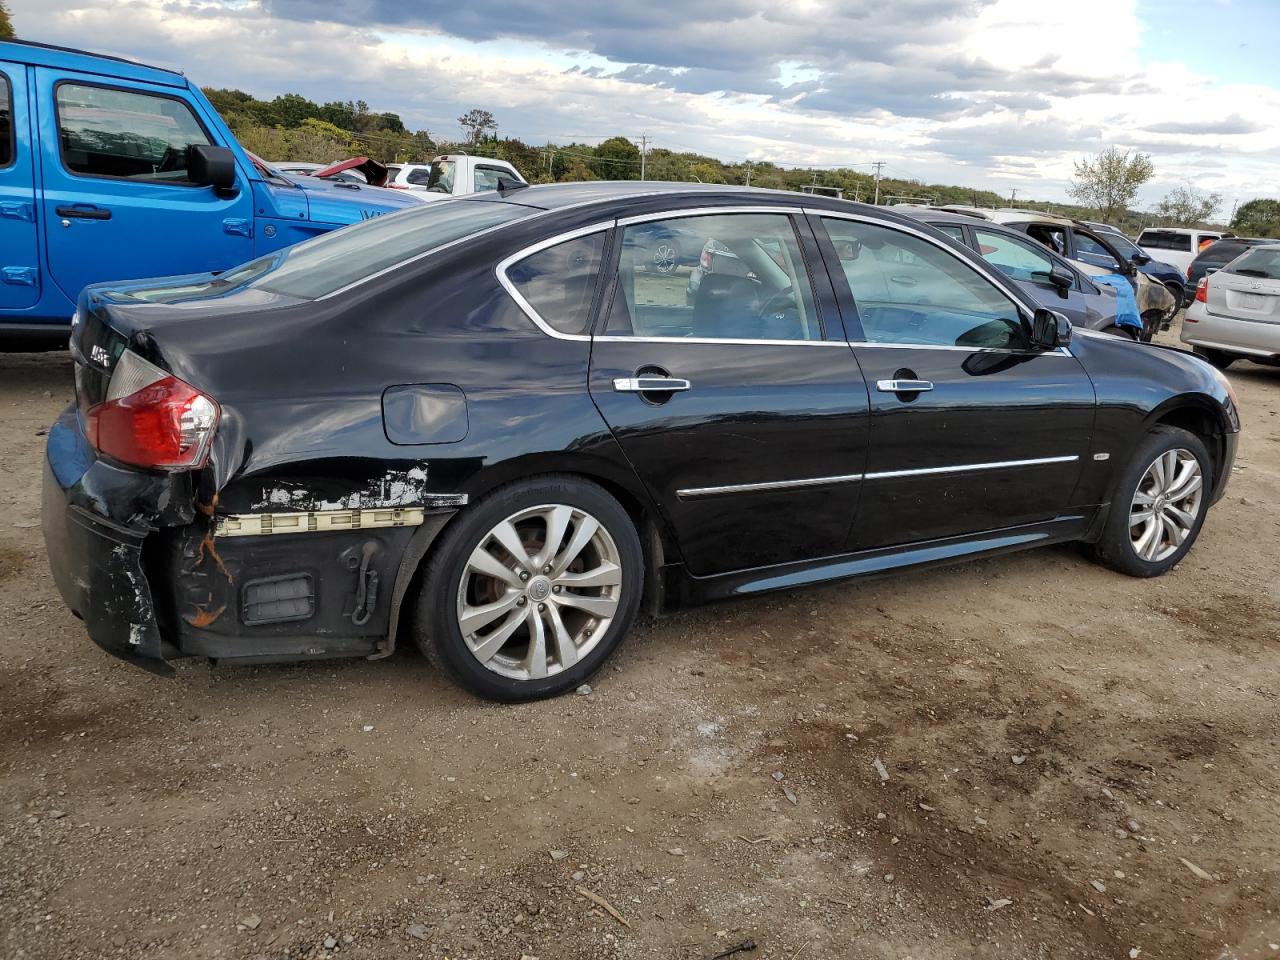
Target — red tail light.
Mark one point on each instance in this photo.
(152, 419)
(1202, 290)
(1188, 271)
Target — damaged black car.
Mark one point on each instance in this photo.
(488, 425)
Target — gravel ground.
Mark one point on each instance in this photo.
(1026, 757)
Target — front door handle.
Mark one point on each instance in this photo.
(84, 213)
(903, 386)
(650, 384)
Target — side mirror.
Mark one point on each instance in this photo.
(1141, 259)
(211, 166)
(1061, 278)
(1050, 330)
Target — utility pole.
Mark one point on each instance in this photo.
(1013, 196)
(748, 173)
(644, 152)
(879, 165)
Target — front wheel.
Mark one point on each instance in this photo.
(1159, 504)
(530, 590)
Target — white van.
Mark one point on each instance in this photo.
(1176, 245)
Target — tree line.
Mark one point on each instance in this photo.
(292, 127)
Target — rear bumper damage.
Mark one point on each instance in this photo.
(96, 560)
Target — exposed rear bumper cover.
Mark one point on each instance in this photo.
(97, 562)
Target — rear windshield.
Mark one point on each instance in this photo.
(1262, 262)
(1161, 240)
(330, 262)
(1222, 252)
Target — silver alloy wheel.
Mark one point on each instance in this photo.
(1165, 505)
(664, 257)
(539, 591)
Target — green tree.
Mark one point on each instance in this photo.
(475, 124)
(1110, 181)
(6, 24)
(616, 159)
(1257, 218)
(1188, 206)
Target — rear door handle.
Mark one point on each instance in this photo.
(84, 213)
(903, 386)
(650, 384)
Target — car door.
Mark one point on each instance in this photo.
(971, 430)
(1029, 266)
(19, 254)
(117, 197)
(739, 405)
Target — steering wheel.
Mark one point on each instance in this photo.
(172, 159)
(768, 305)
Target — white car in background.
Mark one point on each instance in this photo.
(452, 175)
(1236, 311)
(1176, 245)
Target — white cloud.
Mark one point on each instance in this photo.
(992, 94)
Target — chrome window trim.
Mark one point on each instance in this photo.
(1056, 352)
(525, 306)
(966, 467)
(690, 493)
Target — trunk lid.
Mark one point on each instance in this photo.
(1249, 287)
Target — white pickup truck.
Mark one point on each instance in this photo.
(451, 175)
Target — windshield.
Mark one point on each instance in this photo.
(1123, 244)
(332, 261)
(1263, 262)
(442, 174)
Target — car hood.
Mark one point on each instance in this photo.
(332, 201)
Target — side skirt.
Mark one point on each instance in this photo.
(930, 553)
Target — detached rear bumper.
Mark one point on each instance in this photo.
(96, 557)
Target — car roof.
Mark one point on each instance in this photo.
(1030, 216)
(553, 196)
(69, 58)
(1184, 230)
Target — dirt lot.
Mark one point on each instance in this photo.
(1079, 765)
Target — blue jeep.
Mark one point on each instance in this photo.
(110, 170)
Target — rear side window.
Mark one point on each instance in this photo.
(419, 175)
(487, 178)
(6, 122)
(1161, 240)
(559, 282)
(952, 230)
(318, 267)
(125, 134)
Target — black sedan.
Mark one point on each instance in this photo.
(486, 425)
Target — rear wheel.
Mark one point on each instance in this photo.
(1218, 358)
(1159, 504)
(528, 592)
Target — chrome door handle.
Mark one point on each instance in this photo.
(650, 384)
(903, 386)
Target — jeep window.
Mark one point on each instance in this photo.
(441, 179)
(6, 122)
(334, 260)
(125, 134)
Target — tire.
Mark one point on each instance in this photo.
(1218, 358)
(1123, 540)
(1125, 333)
(498, 658)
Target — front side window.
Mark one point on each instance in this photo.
(1015, 259)
(750, 283)
(125, 134)
(487, 178)
(559, 282)
(1055, 238)
(6, 122)
(909, 291)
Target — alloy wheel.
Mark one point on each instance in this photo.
(539, 591)
(1165, 505)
